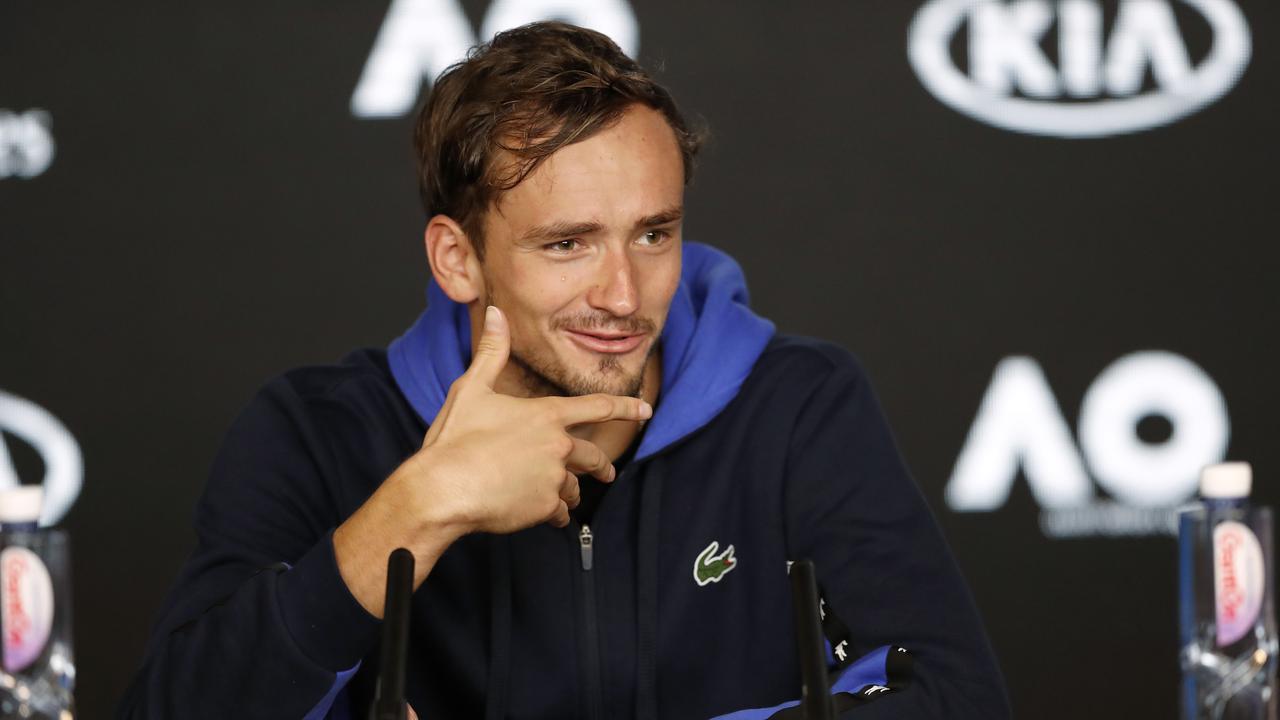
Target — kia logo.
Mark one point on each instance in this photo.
(1096, 87)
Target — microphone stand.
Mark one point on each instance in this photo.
(815, 694)
(388, 699)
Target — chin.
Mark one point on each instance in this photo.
(581, 373)
(607, 375)
(584, 371)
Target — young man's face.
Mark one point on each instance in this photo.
(583, 257)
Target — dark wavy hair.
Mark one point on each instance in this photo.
(529, 92)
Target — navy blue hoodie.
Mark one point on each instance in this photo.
(763, 449)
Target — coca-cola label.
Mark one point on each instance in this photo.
(26, 607)
(1239, 578)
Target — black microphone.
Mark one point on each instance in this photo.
(388, 698)
(815, 695)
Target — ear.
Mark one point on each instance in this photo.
(453, 260)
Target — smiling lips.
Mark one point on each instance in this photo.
(606, 343)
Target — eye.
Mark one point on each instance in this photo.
(562, 246)
(654, 237)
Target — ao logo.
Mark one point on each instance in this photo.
(1019, 424)
(63, 466)
(1095, 90)
(26, 144)
(419, 39)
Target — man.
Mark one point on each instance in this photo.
(573, 343)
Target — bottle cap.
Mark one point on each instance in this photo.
(1226, 480)
(21, 504)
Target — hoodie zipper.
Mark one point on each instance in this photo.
(595, 689)
(584, 542)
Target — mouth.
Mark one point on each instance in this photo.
(605, 342)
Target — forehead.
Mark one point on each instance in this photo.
(626, 171)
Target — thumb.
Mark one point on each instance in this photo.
(410, 713)
(493, 349)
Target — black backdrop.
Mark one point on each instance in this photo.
(214, 213)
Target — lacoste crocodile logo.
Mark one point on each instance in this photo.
(711, 567)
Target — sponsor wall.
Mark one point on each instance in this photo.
(1042, 225)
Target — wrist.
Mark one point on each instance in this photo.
(401, 513)
(438, 515)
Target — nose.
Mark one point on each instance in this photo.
(615, 288)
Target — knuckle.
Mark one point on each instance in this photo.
(552, 505)
(601, 405)
(608, 404)
(551, 479)
(547, 414)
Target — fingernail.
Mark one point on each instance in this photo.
(490, 314)
(646, 410)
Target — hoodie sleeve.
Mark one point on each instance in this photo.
(259, 623)
(883, 566)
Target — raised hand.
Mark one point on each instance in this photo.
(507, 463)
(489, 463)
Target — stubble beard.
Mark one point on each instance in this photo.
(542, 374)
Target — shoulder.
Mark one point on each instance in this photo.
(360, 373)
(798, 376)
(798, 360)
(357, 392)
(303, 453)
(322, 432)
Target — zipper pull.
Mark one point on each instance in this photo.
(584, 541)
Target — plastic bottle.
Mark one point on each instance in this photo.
(1226, 607)
(37, 671)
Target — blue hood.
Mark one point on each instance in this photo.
(709, 344)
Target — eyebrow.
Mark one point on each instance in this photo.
(565, 228)
(560, 229)
(669, 215)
